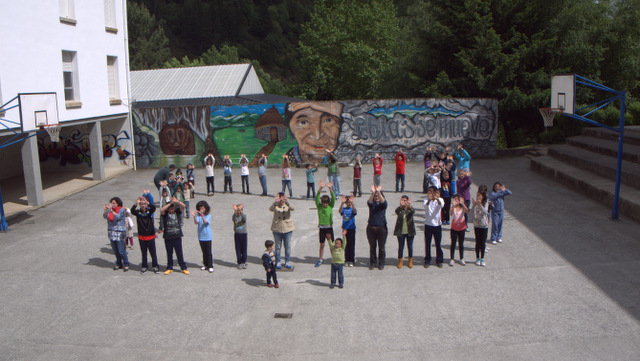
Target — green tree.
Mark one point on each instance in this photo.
(148, 44)
(346, 48)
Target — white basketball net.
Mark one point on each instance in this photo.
(54, 132)
(547, 115)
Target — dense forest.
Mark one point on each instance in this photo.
(347, 49)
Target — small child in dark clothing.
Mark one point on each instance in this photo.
(269, 263)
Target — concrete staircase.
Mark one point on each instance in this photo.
(587, 164)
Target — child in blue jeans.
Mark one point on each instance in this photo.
(496, 205)
(337, 260)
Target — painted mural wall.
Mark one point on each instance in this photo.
(304, 130)
(73, 148)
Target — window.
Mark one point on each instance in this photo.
(110, 16)
(112, 74)
(67, 13)
(70, 79)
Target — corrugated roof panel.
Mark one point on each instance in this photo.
(193, 82)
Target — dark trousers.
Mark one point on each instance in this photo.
(322, 234)
(436, 233)
(401, 240)
(311, 187)
(171, 245)
(457, 237)
(207, 255)
(481, 240)
(227, 182)
(272, 274)
(151, 247)
(445, 210)
(350, 251)
(377, 237)
(400, 179)
(240, 240)
(245, 180)
(211, 188)
(336, 269)
(466, 215)
(357, 187)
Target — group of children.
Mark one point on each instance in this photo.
(444, 205)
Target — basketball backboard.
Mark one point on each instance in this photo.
(563, 92)
(37, 109)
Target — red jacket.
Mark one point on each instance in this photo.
(400, 159)
(377, 166)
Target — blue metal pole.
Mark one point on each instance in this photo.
(3, 223)
(615, 214)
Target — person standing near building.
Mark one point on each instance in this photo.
(400, 161)
(163, 175)
(377, 228)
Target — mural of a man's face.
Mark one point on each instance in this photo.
(316, 128)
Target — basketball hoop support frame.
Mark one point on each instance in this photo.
(617, 95)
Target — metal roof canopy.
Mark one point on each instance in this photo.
(195, 82)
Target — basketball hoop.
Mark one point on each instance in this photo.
(54, 131)
(548, 114)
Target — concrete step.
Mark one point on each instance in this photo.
(598, 188)
(606, 147)
(599, 164)
(631, 134)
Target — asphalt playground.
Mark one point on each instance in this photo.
(564, 285)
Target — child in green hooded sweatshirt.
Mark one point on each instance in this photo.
(337, 260)
(325, 217)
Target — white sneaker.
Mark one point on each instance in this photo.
(210, 270)
(493, 242)
(462, 262)
(203, 268)
(452, 262)
(500, 240)
(482, 263)
(478, 262)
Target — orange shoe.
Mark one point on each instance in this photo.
(185, 271)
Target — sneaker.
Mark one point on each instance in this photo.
(462, 262)
(318, 263)
(452, 262)
(381, 267)
(211, 270)
(239, 266)
(439, 265)
(341, 286)
(288, 265)
(332, 286)
(269, 285)
(143, 270)
(277, 285)
(126, 268)
(203, 268)
(168, 271)
(244, 266)
(499, 241)
(156, 270)
(493, 242)
(185, 271)
(482, 263)
(279, 265)
(426, 265)
(478, 262)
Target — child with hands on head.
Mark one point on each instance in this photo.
(171, 214)
(143, 211)
(458, 227)
(348, 212)
(405, 229)
(337, 260)
(202, 219)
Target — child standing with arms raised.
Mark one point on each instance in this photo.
(171, 215)
(458, 227)
(209, 162)
(146, 232)
(348, 212)
(115, 215)
(337, 261)
(240, 235)
(202, 219)
(405, 229)
(311, 181)
(324, 205)
(244, 172)
(357, 177)
(377, 169)
(227, 174)
(286, 174)
(496, 199)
